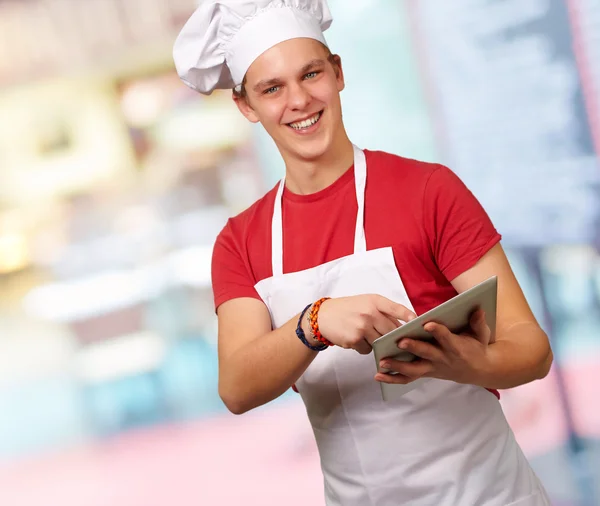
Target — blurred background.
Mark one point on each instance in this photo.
(115, 180)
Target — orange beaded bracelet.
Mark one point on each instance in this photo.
(314, 324)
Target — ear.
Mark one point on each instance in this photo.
(339, 72)
(245, 108)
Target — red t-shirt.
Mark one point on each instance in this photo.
(436, 227)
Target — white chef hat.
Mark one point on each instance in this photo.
(223, 37)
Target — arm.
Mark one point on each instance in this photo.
(257, 365)
(460, 237)
(521, 353)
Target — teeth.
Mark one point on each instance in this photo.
(306, 123)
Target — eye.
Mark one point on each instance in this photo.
(271, 90)
(311, 75)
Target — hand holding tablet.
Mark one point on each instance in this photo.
(454, 314)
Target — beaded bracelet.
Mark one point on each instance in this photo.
(314, 324)
(302, 336)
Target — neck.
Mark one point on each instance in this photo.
(310, 176)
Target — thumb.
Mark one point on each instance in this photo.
(398, 311)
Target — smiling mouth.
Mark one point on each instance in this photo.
(307, 123)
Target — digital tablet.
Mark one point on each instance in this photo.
(454, 314)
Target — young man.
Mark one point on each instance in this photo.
(383, 237)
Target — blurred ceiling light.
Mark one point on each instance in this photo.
(98, 140)
(191, 266)
(110, 291)
(137, 219)
(142, 104)
(120, 357)
(195, 128)
(36, 351)
(87, 297)
(14, 253)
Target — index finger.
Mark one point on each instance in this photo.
(398, 311)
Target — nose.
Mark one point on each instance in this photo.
(298, 96)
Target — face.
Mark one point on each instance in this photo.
(294, 92)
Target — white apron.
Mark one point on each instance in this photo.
(437, 444)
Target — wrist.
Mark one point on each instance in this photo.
(303, 328)
(308, 330)
(482, 370)
(313, 320)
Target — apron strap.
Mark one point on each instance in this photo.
(277, 232)
(360, 181)
(360, 243)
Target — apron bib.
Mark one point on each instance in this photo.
(434, 443)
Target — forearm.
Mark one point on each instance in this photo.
(520, 355)
(265, 368)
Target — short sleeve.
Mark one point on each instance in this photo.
(458, 228)
(231, 276)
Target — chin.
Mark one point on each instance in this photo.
(310, 154)
(309, 150)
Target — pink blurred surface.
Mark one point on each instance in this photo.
(263, 457)
(535, 413)
(260, 458)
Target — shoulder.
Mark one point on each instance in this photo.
(244, 239)
(387, 165)
(417, 180)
